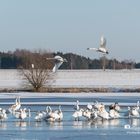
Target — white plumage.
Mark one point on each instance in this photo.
(16, 106)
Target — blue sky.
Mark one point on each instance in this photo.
(72, 26)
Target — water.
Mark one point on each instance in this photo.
(68, 129)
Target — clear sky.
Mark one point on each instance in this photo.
(72, 26)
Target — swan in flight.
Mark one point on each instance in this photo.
(58, 62)
(102, 47)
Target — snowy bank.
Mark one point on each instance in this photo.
(113, 79)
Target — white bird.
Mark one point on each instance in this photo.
(39, 116)
(16, 106)
(3, 114)
(76, 107)
(97, 105)
(114, 114)
(94, 114)
(115, 106)
(60, 113)
(90, 114)
(134, 111)
(114, 110)
(102, 47)
(77, 114)
(87, 114)
(21, 114)
(103, 113)
(42, 115)
(56, 115)
(58, 62)
(89, 106)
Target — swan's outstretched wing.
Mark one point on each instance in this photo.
(93, 49)
(56, 66)
(102, 42)
(58, 62)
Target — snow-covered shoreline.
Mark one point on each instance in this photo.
(111, 79)
(68, 95)
(78, 78)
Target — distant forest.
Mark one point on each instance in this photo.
(12, 60)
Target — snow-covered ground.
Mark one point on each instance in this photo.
(98, 78)
(80, 78)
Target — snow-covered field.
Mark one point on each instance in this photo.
(79, 78)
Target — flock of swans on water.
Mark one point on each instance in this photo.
(90, 112)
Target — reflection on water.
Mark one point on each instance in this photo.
(55, 125)
(96, 123)
(84, 124)
(38, 124)
(21, 123)
(3, 125)
(81, 124)
(134, 122)
(67, 129)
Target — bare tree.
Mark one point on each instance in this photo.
(35, 70)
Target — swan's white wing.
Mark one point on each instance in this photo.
(94, 49)
(102, 42)
(56, 66)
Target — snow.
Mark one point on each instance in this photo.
(98, 78)
(80, 78)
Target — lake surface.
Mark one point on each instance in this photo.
(68, 129)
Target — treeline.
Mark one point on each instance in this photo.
(12, 60)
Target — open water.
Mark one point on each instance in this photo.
(68, 129)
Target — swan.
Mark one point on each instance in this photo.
(16, 106)
(87, 114)
(22, 114)
(39, 116)
(76, 107)
(114, 114)
(3, 114)
(42, 115)
(102, 47)
(89, 106)
(115, 106)
(97, 105)
(134, 111)
(60, 113)
(56, 115)
(77, 114)
(103, 113)
(58, 62)
(94, 114)
(114, 110)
